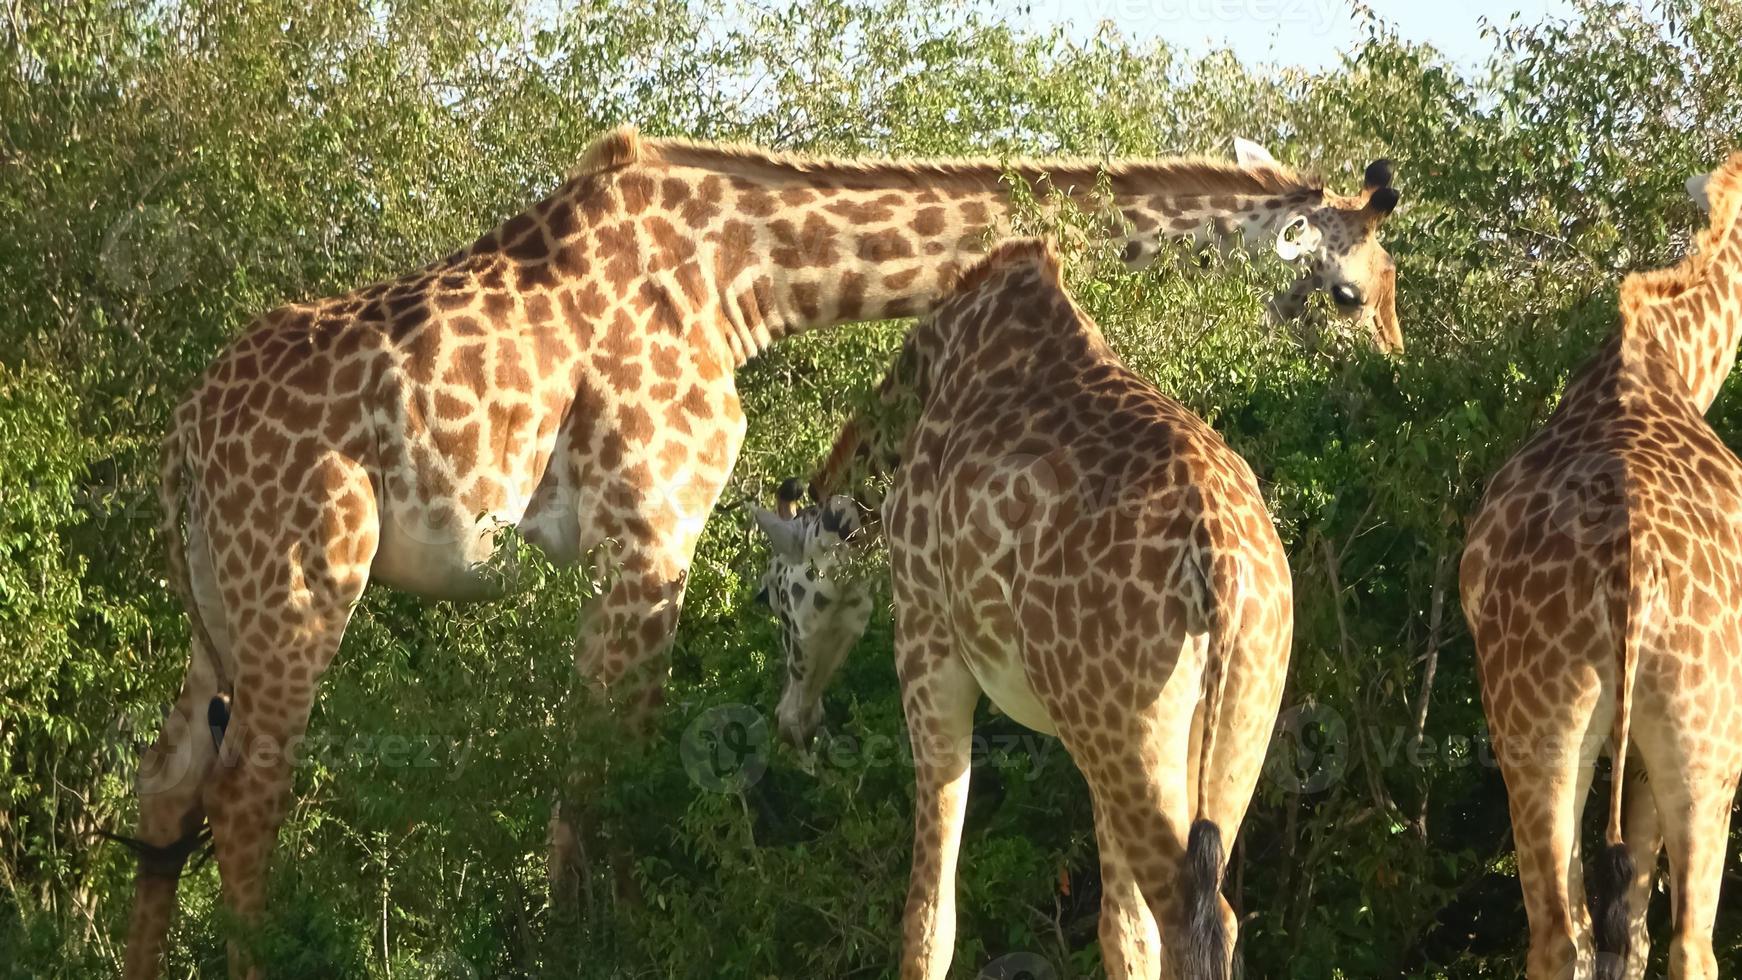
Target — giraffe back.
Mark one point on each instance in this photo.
(1625, 509)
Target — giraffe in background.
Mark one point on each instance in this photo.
(570, 374)
(1602, 581)
(1094, 559)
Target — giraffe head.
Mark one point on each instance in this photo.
(822, 606)
(1337, 240)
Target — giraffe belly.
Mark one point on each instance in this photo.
(436, 549)
(999, 669)
(434, 553)
(436, 544)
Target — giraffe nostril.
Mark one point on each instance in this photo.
(1346, 295)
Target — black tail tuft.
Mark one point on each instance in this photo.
(1609, 925)
(218, 719)
(1206, 945)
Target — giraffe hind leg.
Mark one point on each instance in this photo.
(1130, 940)
(1693, 802)
(172, 819)
(1645, 843)
(1546, 787)
(172, 826)
(285, 627)
(1142, 817)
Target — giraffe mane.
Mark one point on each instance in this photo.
(618, 148)
(827, 481)
(1640, 290)
(1038, 252)
(1188, 175)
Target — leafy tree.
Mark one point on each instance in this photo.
(171, 169)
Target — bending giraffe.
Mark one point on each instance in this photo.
(569, 374)
(1602, 580)
(1093, 558)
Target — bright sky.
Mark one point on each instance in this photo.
(1310, 33)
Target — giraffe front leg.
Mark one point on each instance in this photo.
(938, 695)
(643, 516)
(620, 654)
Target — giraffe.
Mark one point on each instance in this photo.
(570, 375)
(1600, 581)
(819, 591)
(1094, 559)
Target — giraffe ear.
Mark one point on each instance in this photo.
(1297, 238)
(1379, 174)
(841, 516)
(1697, 191)
(787, 498)
(785, 537)
(1384, 201)
(1250, 154)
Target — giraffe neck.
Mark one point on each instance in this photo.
(1692, 313)
(868, 450)
(790, 244)
(870, 447)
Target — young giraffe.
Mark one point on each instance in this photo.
(1093, 558)
(1600, 581)
(569, 374)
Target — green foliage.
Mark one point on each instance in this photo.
(171, 169)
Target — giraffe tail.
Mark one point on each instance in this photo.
(1610, 928)
(172, 502)
(1207, 950)
(1206, 947)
